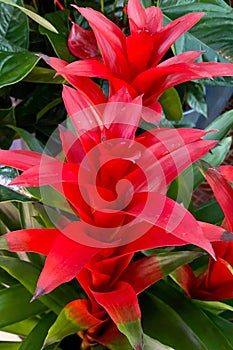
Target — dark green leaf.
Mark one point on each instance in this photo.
(14, 32)
(37, 336)
(15, 305)
(8, 195)
(210, 212)
(9, 345)
(208, 34)
(40, 20)
(161, 322)
(196, 98)
(21, 328)
(226, 327)
(171, 104)
(193, 317)
(30, 140)
(7, 116)
(9, 216)
(43, 75)
(14, 66)
(223, 124)
(27, 275)
(59, 41)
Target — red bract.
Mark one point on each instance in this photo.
(111, 309)
(114, 182)
(216, 282)
(136, 61)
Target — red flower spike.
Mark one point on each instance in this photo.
(122, 306)
(216, 282)
(111, 42)
(142, 72)
(38, 240)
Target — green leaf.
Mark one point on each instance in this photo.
(15, 305)
(14, 31)
(153, 344)
(21, 328)
(169, 261)
(223, 124)
(14, 66)
(9, 345)
(226, 327)
(8, 195)
(160, 321)
(7, 116)
(207, 35)
(171, 104)
(9, 216)
(59, 42)
(210, 212)
(36, 338)
(34, 16)
(215, 307)
(27, 274)
(30, 140)
(196, 98)
(210, 336)
(43, 75)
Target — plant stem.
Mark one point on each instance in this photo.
(102, 6)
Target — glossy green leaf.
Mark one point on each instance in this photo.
(27, 274)
(7, 116)
(8, 195)
(196, 98)
(15, 305)
(210, 212)
(43, 75)
(207, 35)
(193, 316)
(153, 344)
(40, 20)
(14, 31)
(9, 345)
(21, 328)
(160, 321)
(225, 326)
(59, 42)
(36, 338)
(171, 104)
(215, 307)
(9, 215)
(223, 124)
(14, 66)
(30, 140)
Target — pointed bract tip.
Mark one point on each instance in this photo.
(44, 57)
(227, 236)
(38, 293)
(3, 243)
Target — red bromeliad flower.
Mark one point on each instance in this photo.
(135, 61)
(111, 314)
(214, 283)
(115, 184)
